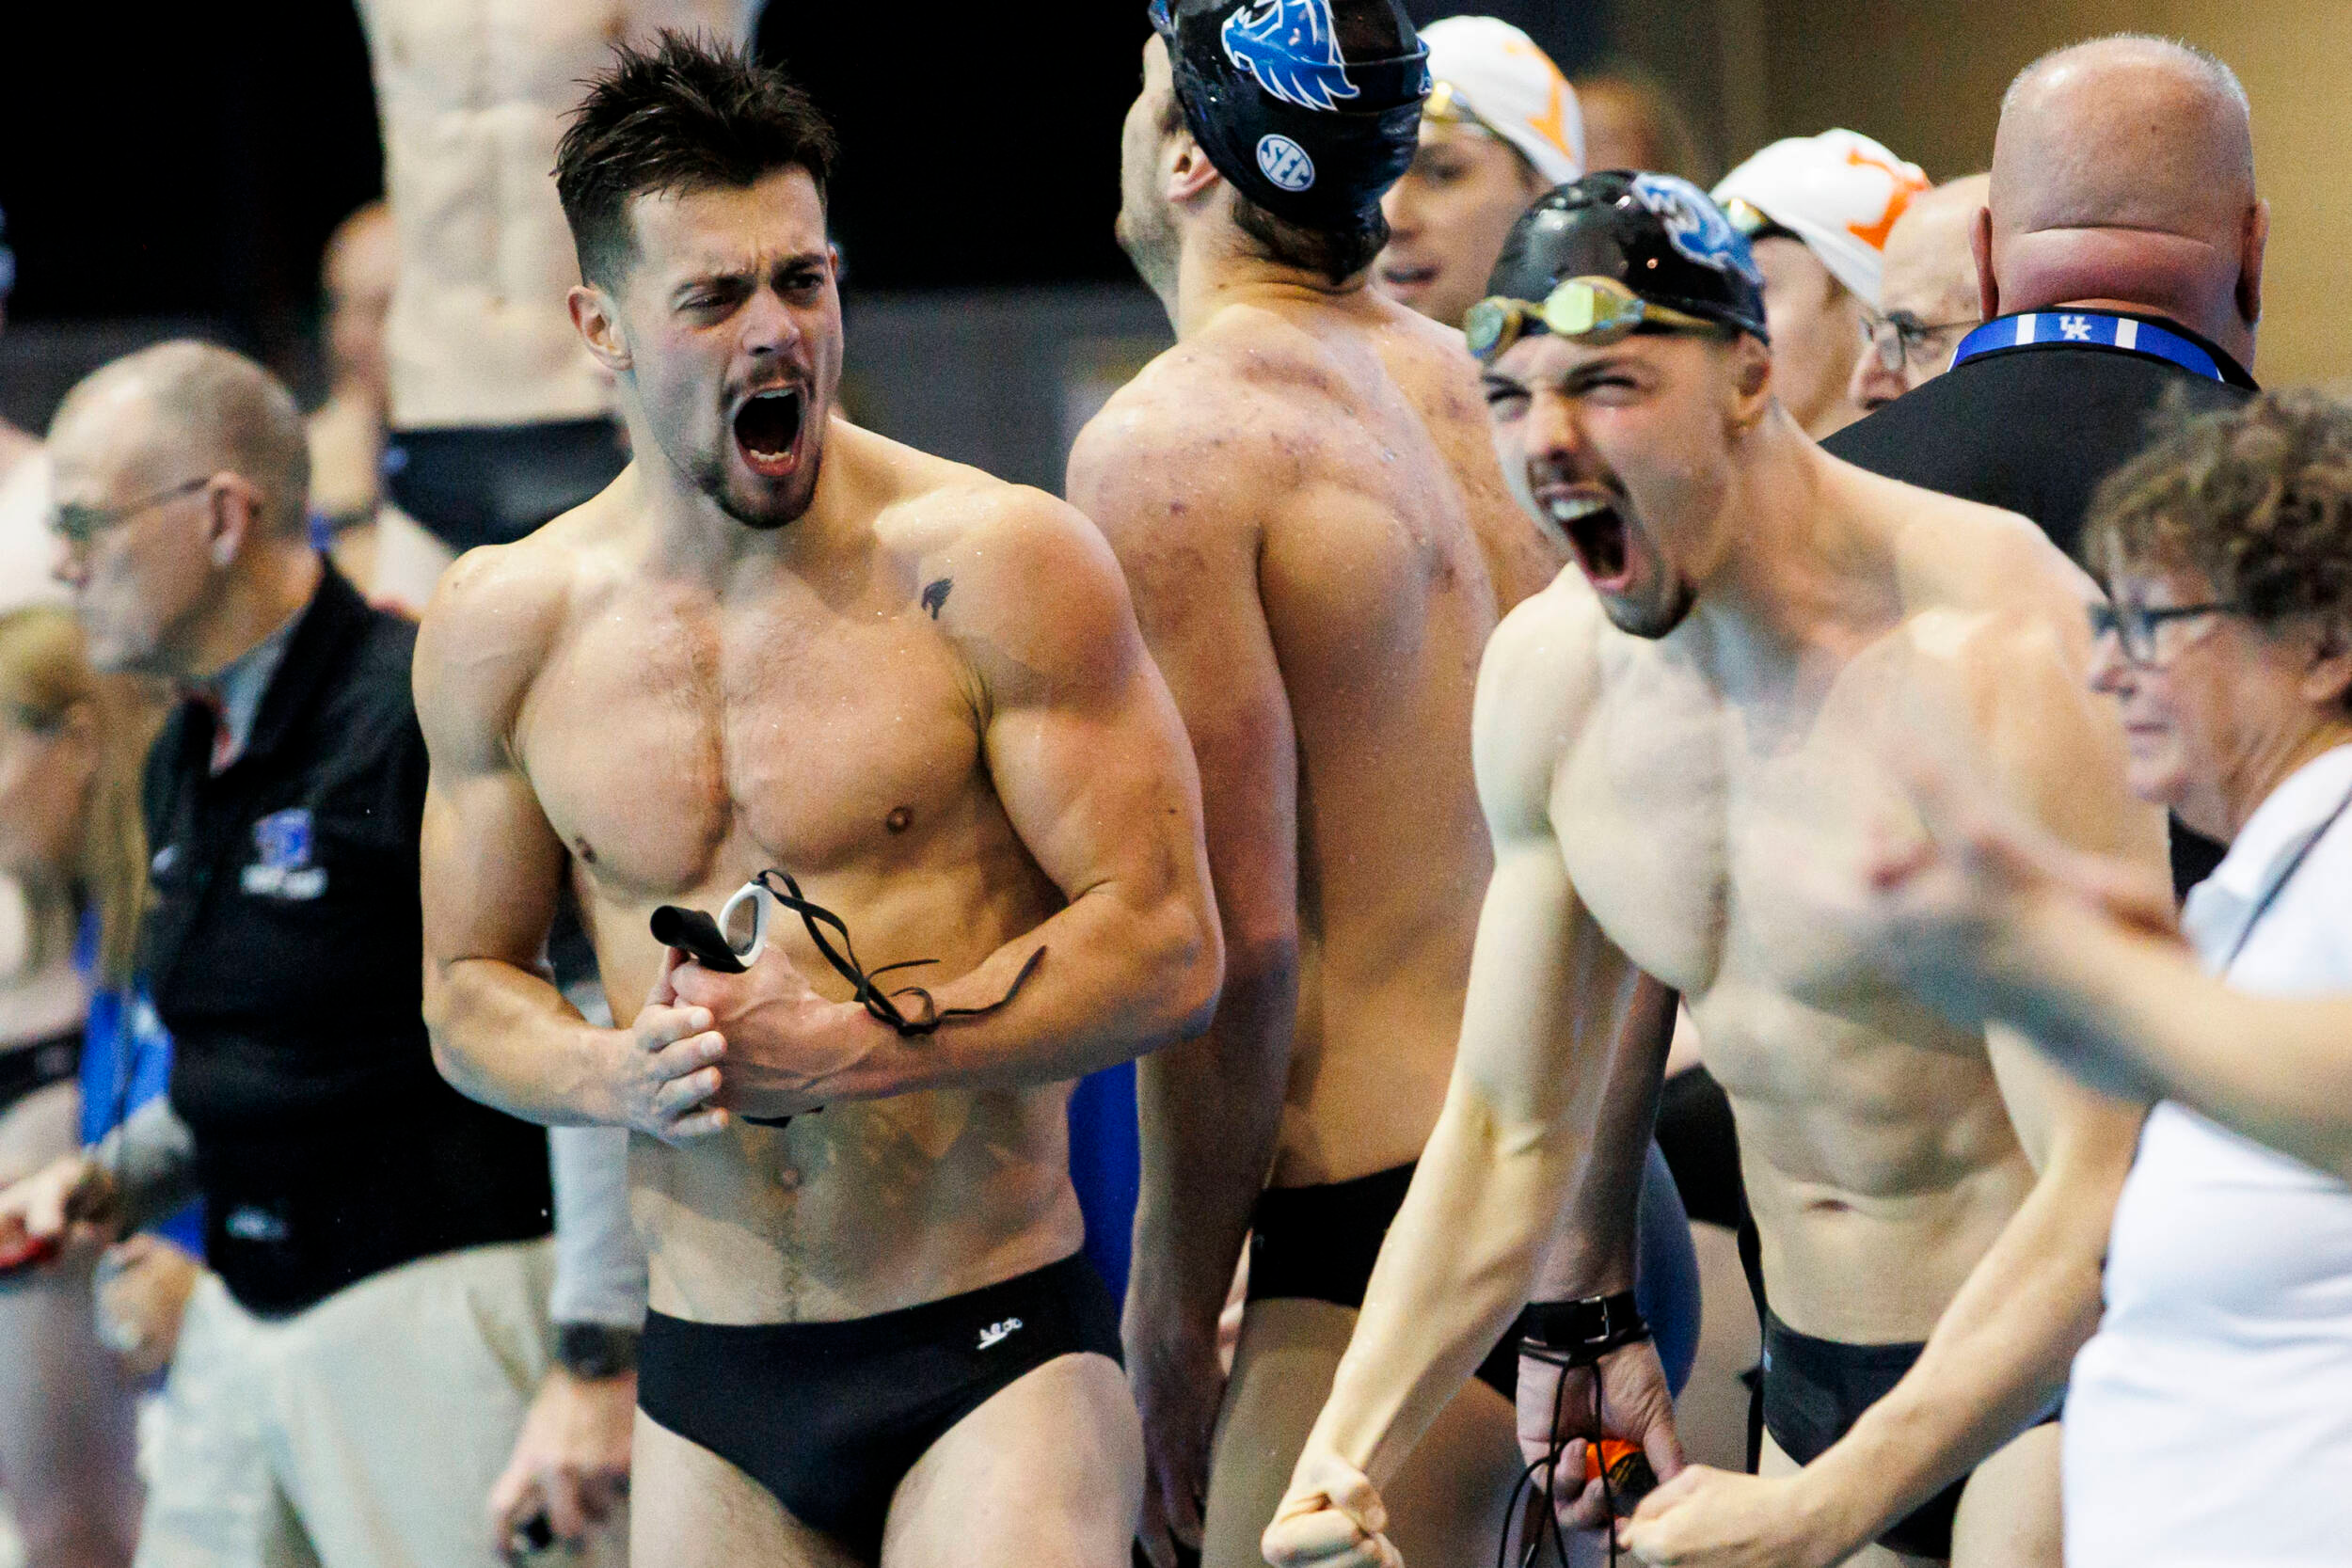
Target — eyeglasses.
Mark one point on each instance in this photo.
(78, 525)
(1593, 311)
(1899, 335)
(2133, 626)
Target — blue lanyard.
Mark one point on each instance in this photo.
(2086, 329)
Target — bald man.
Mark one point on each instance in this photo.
(1927, 294)
(352, 1376)
(2119, 260)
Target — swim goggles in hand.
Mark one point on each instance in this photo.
(1596, 311)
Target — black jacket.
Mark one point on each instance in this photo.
(2033, 430)
(284, 949)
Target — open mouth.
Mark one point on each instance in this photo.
(767, 430)
(1596, 534)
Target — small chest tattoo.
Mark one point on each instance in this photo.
(935, 596)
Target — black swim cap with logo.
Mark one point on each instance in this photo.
(1310, 108)
(1661, 237)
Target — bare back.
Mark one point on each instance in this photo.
(678, 742)
(1332, 458)
(1710, 805)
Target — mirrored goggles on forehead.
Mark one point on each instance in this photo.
(1753, 223)
(1596, 311)
(1445, 106)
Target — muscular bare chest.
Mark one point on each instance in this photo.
(675, 744)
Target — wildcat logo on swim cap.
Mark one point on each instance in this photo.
(1290, 47)
(1284, 162)
(1695, 226)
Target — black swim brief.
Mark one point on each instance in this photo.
(1319, 1243)
(1814, 1392)
(27, 1069)
(830, 1416)
(491, 485)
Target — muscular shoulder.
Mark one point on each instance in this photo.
(492, 623)
(1022, 583)
(1538, 684)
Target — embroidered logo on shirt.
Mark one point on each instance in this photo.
(997, 1333)
(2075, 328)
(281, 867)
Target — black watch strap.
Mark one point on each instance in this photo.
(593, 1352)
(1579, 1333)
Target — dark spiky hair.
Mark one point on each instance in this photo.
(685, 115)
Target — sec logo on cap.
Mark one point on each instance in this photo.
(1284, 162)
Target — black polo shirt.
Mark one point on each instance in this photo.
(284, 949)
(2033, 429)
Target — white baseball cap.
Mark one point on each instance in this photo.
(1838, 192)
(1509, 85)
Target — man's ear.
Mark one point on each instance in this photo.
(1988, 287)
(596, 317)
(1189, 173)
(1750, 382)
(233, 516)
(2255, 240)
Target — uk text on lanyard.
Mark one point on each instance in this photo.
(2086, 329)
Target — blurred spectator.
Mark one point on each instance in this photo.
(1499, 129)
(72, 846)
(1631, 120)
(23, 494)
(1817, 211)
(387, 556)
(1927, 294)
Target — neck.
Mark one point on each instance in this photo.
(697, 539)
(2134, 271)
(1802, 569)
(269, 588)
(47, 937)
(1217, 268)
(2259, 774)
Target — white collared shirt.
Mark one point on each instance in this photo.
(2209, 1420)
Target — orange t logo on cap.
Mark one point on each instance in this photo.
(1874, 234)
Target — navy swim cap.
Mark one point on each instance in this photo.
(1659, 236)
(1310, 108)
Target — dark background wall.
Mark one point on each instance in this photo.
(188, 161)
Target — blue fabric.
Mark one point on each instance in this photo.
(2086, 329)
(1666, 1272)
(1105, 1165)
(126, 1062)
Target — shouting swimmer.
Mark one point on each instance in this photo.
(780, 641)
(1667, 744)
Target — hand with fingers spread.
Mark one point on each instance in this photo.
(784, 1043)
(1555, 1405)
(569, 1470)
(668, 1079)
(1709, 1518)
(1331, 1517)
(67, 1212)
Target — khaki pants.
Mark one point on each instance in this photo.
(363, 1433)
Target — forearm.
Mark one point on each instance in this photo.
(2278, 1071)
(505, 1035)
(1455, 1270)
(151, 1161)
(1116, 980)
(1997, 1356)
(1210, 1113)
(1592, 1252)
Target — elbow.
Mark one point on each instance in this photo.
(1191, 957)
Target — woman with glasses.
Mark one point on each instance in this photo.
(2210, 1420)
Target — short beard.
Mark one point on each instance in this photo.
(1148, 236)
(709, 476)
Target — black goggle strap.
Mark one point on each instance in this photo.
(1540, 1478)
(882, 1005)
